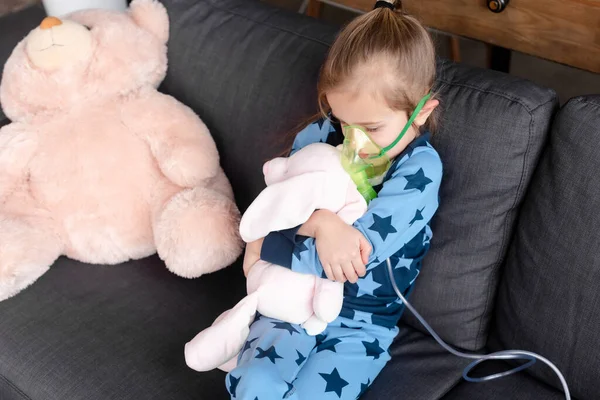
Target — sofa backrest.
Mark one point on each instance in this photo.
(549, 298)
(492, 130)
(250, 70)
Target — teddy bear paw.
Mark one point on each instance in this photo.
(13, 279)
(197, 232)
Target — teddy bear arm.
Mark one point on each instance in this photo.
(180, 142)
(17, 147)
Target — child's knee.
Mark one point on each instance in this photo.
(321, 382)
(250, 382)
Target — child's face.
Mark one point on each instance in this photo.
(381, 123)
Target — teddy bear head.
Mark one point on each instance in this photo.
(85, 56)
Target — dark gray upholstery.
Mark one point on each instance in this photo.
(515, 387)
(13, 28)
(115, 332)
(548, 300)
(249, 71)
(419, 369)
(492, 130)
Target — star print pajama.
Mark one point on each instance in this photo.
(281, 360)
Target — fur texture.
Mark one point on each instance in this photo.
(97, 164)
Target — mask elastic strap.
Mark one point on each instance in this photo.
(412, 118)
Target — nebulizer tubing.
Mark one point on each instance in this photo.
(479, 358)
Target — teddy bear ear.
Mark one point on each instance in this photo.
(151, 16)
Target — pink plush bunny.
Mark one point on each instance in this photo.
(310, 179)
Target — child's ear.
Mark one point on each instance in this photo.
(426, 112)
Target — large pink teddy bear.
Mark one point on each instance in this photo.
(98, 165)
(310, 179)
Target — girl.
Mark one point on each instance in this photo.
(377, 75)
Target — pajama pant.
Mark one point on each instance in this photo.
(280, 361)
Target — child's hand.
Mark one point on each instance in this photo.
(342, 249)
(252, 254)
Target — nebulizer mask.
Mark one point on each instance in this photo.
(365, 161)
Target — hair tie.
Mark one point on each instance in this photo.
(384, 3)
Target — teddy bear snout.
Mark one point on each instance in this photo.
(57, 43)
(50, 22)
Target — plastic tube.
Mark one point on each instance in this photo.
(479, 358)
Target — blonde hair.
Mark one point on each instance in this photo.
(390, 51)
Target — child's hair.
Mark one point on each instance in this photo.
(382, 50)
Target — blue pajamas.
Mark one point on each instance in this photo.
(280, 361)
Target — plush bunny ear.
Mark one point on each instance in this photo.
(151, 16)
(282, 205)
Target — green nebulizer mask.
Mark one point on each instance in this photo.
(366, 162)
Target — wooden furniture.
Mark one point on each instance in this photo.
(566, 31)
(314, 8)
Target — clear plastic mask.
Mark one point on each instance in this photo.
(361, 154)
(365, 161)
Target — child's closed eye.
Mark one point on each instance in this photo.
(373, 129)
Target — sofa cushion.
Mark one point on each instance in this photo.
(548, 299)
(492, 130)
(249, 70)
(520, 386)
(419, 369)
(111, 332)
(13, 28)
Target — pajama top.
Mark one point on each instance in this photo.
(396, 224)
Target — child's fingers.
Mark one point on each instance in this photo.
(365, 250)
(359, 268)
(328, 272)
(349, 272)
(338, 273)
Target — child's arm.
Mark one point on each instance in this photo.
(405, 204)
(317, 131)
(252, 255)
(343, 250)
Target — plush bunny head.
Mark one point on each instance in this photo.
(310, 179)
(86, 56)
(320, 157)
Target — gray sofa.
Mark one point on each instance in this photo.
(514, 262)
